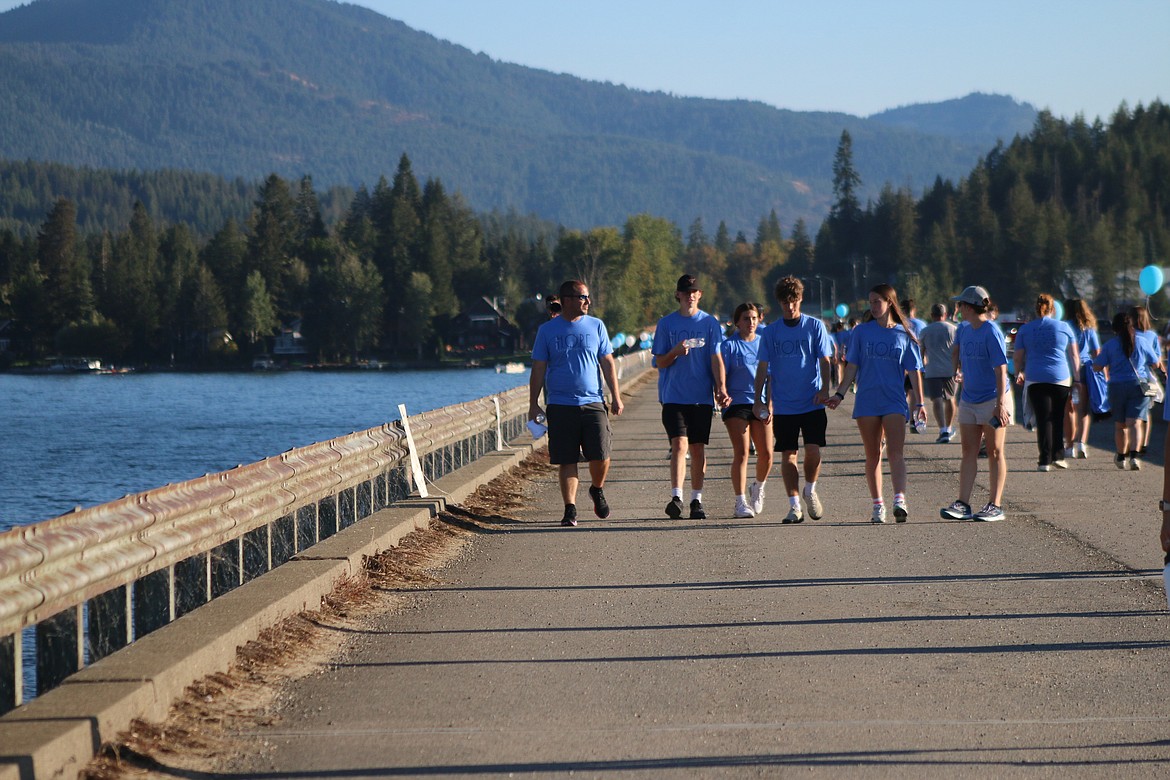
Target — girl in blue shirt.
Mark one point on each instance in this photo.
(1144, 329)
(1084, 326)
(740, 361)
(1125, 359)
(1047, 360)
(881, 354)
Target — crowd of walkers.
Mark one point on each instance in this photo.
(776, 385)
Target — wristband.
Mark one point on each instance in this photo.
(921, 406)
(839, 394)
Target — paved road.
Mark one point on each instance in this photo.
(1036, 646)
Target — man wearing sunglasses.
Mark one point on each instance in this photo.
(571, 354)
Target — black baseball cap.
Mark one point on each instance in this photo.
(687, 283)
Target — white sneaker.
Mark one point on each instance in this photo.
(742, 509)
(816, 510)
(794, 515)
(1133, 464)
(1044, 467)
(1079, 451)
(879, 514)
(1060, 463)
(756, 497)
(1070, 452)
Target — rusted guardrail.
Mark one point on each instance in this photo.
(90, 582)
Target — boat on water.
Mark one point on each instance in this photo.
(263, 363)
(510, 368)
(74, 365)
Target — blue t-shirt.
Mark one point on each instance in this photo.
(1088, 342)
(1151, 338)
(573, 350)
(981, 351)
(793, 354)
(882, 356)
(689, 380)
(917, 325)
(740, 359)
(1121, 367)
(1045, 343)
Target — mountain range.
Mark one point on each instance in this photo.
(339, 92)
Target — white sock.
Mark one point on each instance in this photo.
(697, 495)
(741, 499)
(676, 492)
(794, 501)
(810, 487)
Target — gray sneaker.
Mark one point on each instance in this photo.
(794, 516)
(988, 514)
(959, 510)
(816, 509)
(901, 511)
(879, 514)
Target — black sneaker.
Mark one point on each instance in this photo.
(674, 508)
(697, 512)
(570, 518)
(600, 507)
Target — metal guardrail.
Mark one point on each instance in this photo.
(90, 582)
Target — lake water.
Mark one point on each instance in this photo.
(85, 439)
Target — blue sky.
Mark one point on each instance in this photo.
(856, 56)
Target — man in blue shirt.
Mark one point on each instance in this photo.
(570, 355)
(691, 381)
(795, 353)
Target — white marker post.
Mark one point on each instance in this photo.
(416, 471)
(499, 425)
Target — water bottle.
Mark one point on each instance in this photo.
(764, 414)
(1076, 398)
(920, 426)
(537, 427)
(540, 419)
(696, 343)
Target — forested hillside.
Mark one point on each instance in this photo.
(337, 92)
(1072, 209)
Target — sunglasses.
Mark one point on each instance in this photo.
(580, 297)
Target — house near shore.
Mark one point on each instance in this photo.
(482, 328)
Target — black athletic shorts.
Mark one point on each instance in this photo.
(690, 420)
(740, 412)
(573, 430)
(788, 429)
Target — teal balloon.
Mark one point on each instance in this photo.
(1058, 310)
(1150, 279)
(842, 310)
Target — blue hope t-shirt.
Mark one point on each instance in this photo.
(1088, 342)
(740, 360)
(689, 380)
(573, 350)
(793, 354)
(1126, 368)
(882, 356)
(981, 350)
(1045, 343)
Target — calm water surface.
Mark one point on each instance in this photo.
(81, 440)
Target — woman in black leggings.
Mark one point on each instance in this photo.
(1047, 359)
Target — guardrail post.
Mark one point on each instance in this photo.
(11, 673)
(365, 499)
(58, 648)
(109, 619)
(191, 584)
